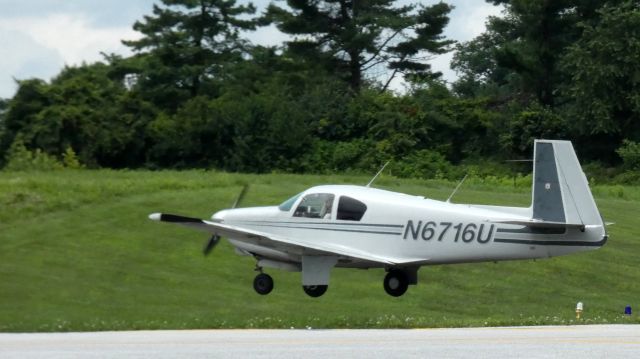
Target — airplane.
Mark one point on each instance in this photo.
(352, 226)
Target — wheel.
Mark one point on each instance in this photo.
(395, 283)
(314, 290)
(263, 284)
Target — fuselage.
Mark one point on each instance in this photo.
(405, 227)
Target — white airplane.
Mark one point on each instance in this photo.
(362, 227)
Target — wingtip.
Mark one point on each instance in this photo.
(155, 216)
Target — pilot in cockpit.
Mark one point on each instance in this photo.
(325, 212)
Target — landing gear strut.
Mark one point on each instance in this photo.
(263, 284)
(396, 283)
(314, 290)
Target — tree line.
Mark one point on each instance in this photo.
(197, 93)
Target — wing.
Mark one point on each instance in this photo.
(244, 234)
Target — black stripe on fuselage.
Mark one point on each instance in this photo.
(327, 223)
(537, 242)
(534, 230)
(276, 225)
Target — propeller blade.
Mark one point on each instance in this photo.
(215, 239)
(210, 244)
(240, 196)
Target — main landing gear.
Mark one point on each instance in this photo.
(396, 283)
(314, 290)
(263, 284)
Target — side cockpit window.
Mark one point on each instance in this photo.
(351, 209)
(315, 205)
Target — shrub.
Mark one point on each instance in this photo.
(70, 159)
(630, 154)
(629, 177)
(19, 158)
(424, 164)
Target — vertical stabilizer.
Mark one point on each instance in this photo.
(560, 189)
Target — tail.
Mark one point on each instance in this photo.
(561, 192)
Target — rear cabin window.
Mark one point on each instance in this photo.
(350, 209)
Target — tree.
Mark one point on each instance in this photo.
(31, 98)
(4, 105)
(352, 37)
(523, 48)
(478, 71)
(185, 45)
(605, 73)
(83, 108)
(86, 113)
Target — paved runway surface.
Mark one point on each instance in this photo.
(592, 341)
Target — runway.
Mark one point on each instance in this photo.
(588, 341)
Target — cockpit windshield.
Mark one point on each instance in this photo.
(286, 205)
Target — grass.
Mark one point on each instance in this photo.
(78, 253)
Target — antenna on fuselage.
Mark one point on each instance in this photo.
(458, 186)
(377, 174)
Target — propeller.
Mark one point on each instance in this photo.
(210, 244)
(215, 239)
(243, 192)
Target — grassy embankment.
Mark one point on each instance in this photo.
(77, 252)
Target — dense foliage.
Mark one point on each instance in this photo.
(197, 93)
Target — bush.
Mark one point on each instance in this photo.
(424, 164)
(629, 177)
(630, 154)
(535, 121)
(19, 158)
(70, 159)
(597, 172)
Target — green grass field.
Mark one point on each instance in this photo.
(77, 253)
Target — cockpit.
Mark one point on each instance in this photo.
(315, 205)
(322, 206)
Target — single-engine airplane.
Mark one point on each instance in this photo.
(362, 227)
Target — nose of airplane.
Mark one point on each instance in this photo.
(219, 216)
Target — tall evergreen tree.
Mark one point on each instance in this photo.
(185, 44)
(4, 104)
(352, 37)
(525, 46)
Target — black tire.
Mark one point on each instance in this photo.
(263, 284)
(315, 290)
(396, 283)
